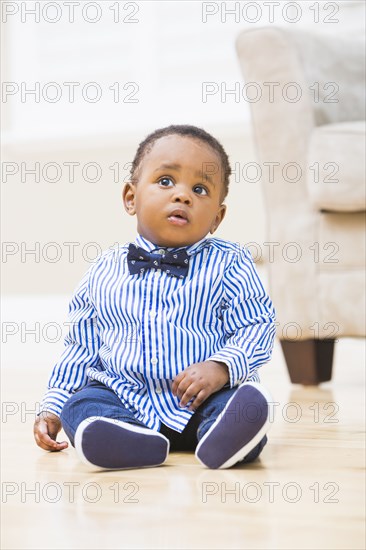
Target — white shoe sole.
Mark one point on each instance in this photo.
(124, 446)
(243, 451)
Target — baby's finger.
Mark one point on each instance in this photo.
(38, 441)
(200, 398)
(182, 388)
(52, 445)
(48, 444)
(191, 392)
(177, 380)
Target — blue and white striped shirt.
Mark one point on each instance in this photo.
(135, 333)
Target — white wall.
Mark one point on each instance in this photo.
(161, 54)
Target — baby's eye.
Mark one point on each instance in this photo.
(165, 182)
(200, 190)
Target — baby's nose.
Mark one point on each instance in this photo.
(182, 196)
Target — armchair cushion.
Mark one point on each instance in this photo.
(334, 68)
(336, 177)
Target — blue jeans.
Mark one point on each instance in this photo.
(95, 399)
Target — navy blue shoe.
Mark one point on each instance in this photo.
(242, 424)
(108, 444)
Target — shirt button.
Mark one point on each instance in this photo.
(154, 361)
(161, 251)
(158, 389)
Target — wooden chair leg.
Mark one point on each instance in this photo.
(309, 362)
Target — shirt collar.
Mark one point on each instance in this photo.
(150, 247)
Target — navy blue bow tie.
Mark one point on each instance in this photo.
(175, 263)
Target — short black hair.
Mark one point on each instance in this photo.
(184, 130)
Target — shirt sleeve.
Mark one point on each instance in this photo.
(81, 351)
(248, 317)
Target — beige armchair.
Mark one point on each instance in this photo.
(309, 129)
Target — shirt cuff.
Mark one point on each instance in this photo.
(236, 362)
(54, 400)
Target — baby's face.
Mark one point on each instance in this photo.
(177, 198)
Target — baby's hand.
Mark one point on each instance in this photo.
(199, 381)
(46, 428)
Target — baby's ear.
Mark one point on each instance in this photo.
(128, 198)
(218, 219)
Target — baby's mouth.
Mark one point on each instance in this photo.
(178, 217)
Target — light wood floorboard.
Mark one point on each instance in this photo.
(306, 491)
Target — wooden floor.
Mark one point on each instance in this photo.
(306, 491)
